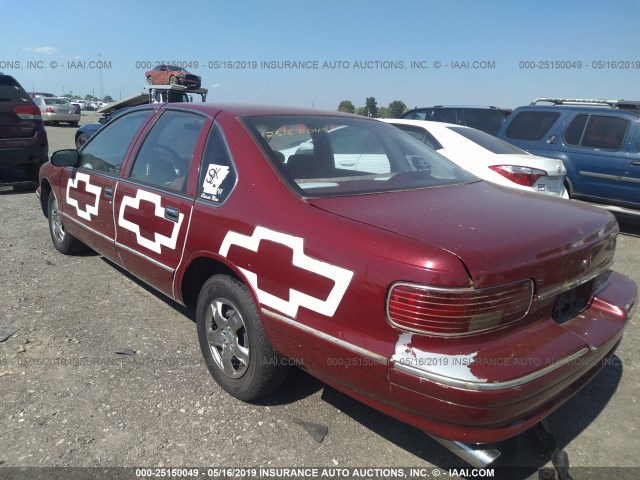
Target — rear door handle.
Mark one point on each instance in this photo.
(171, 214)
(636, 163)
(108, 193)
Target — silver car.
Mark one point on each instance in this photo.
(58, 109)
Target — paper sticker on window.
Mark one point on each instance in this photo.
(212, 180)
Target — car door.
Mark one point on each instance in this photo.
(87, 192)
(152, 207)
(630, 180)
(594, 145)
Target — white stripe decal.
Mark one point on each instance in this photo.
(341, 277)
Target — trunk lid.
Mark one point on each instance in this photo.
(502, 235)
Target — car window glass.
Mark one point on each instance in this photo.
(417, 114)
(217, 173)
(358, 149)
(488, 142)
(165, 155)
(350, 156)
(573, 133)
(442, 115)
(10, 92)
(420, 134)
(488, 121)
(604, 132)
(530, 125)
(107, 149)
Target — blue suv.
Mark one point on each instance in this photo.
(598, 141)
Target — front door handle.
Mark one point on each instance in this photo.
(108, 193)
(172, 214)
(636, 163)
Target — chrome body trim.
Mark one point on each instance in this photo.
(485, 386)
(145, 257)
(325, 336)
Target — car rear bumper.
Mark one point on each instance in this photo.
(60, 117)
(488, 393)
(12, 157)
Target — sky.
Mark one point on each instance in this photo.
(422, 52)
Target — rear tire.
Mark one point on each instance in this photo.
(62, 240)
(234, 342)
(149, 80)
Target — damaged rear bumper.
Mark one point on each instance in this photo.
(489, 388)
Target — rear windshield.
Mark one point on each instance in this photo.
(11, 92)
(530, 125)
(325, 156)
(488, 142)
(56, 101)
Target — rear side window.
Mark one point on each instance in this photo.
(488, 121)
(444, 115)
(217, 175)
(596, 131)
(422, 114)
(531, 125)
(420, 134)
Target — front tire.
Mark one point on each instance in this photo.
(234, 342)
(62, 240)
(81, 140)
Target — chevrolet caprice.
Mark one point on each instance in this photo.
(466, 309)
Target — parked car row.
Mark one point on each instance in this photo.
(598, 141)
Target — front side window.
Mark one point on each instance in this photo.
(165, 155)
(105, 152)
(327, 156)
(530, 125)
(601, 132)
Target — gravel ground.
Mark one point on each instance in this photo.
(69, 398)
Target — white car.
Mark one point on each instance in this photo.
(488, 157)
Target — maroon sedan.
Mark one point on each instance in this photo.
(466, 309)
(172, 75)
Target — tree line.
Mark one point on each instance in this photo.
(371, 109)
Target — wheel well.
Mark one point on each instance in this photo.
(45, 191)
(568, 186)
(198, 272)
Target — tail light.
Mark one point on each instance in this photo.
(28, 112)
(77, 110)
(457, 311)
(50, 110)
(525, 176)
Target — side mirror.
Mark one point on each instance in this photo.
(66, 158)
(103, 120)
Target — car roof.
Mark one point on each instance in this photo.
(251, 110)
(428, 124)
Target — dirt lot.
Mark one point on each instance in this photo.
(68, 398)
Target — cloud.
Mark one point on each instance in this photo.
(44, 50)
(215, 85)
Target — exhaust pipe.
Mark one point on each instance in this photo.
(474, 455)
